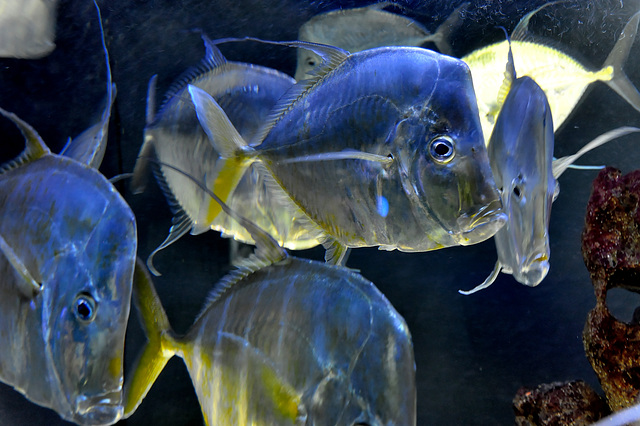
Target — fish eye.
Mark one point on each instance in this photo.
(441, 149)
(84, 307)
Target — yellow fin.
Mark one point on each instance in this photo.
(161, 345)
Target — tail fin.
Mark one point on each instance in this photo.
(443, 34)
(141, 169)
(161, 345)
(616, 59)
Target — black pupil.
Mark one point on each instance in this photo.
(311, 62)
(441, 149)
(516, 192)
(84, 309)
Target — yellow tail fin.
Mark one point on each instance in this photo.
(161, 345)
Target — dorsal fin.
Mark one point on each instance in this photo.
(213, 59)
(509, 73)
(268, 251)
(34, 145)
(331, 58)
(521, 31)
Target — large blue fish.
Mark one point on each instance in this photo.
(67, 250)
(285, 341)
(521, 157)
(382, 148)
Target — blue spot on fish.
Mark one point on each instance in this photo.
(382, 205)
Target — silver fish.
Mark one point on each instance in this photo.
(363, 28)
(27, 28)
(521, 157)
(248, 93)
(285, 341)
(382, 148)
(89, 146)
(67, 250)
(563, 78)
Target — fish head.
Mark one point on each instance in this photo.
(444, 162)
(86, 310)
(521, 155)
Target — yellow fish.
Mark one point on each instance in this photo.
(563, 79)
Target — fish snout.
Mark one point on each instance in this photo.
(482, 224)
(101, 409)
(534, 269)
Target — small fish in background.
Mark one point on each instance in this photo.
(67, 253)
(89, 146)
(563, 79)
(27, 28)
(284, 341)
(521, 158)
(381, 148)
(247, 92)
(363, 28)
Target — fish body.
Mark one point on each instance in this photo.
(383, 149)
(90, 145)
(563, 79)
(67, 250)
(297, 342)
(362, 28)
(248, 93)
(27, 28)
(521, 157)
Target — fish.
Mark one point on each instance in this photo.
(90, 145)
(626, 416)
(362, 28)
(521, 157)
(284, 340)
(563, 78)
(382, 148)
(27, 28)
(67, 252)
(248, 93)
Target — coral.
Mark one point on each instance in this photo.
(611, 251)
(571, 403)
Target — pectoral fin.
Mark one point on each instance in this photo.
(27, 285)
(336, 253)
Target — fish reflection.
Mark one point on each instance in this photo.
(67, 249)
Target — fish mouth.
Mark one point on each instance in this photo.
(483, 224)
(534, 270)
(101, 409)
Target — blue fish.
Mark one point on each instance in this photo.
(285, 341)
(396, 122)
(67, 251)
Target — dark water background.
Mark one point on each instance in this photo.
(472, 352)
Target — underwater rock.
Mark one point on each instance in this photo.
(570, 403)
(611, 238)
(611, 251)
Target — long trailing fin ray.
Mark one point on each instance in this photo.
(521, 31)
(28, 286)
(150, 113)
(267, 248)
(561, 164)
(161, 345)
(222, 134)
(340, 155)
(509, 77)
(487, 282)
(141, 169)
(620, 83)
(34, 145)
(331, 58)
(180, 225)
